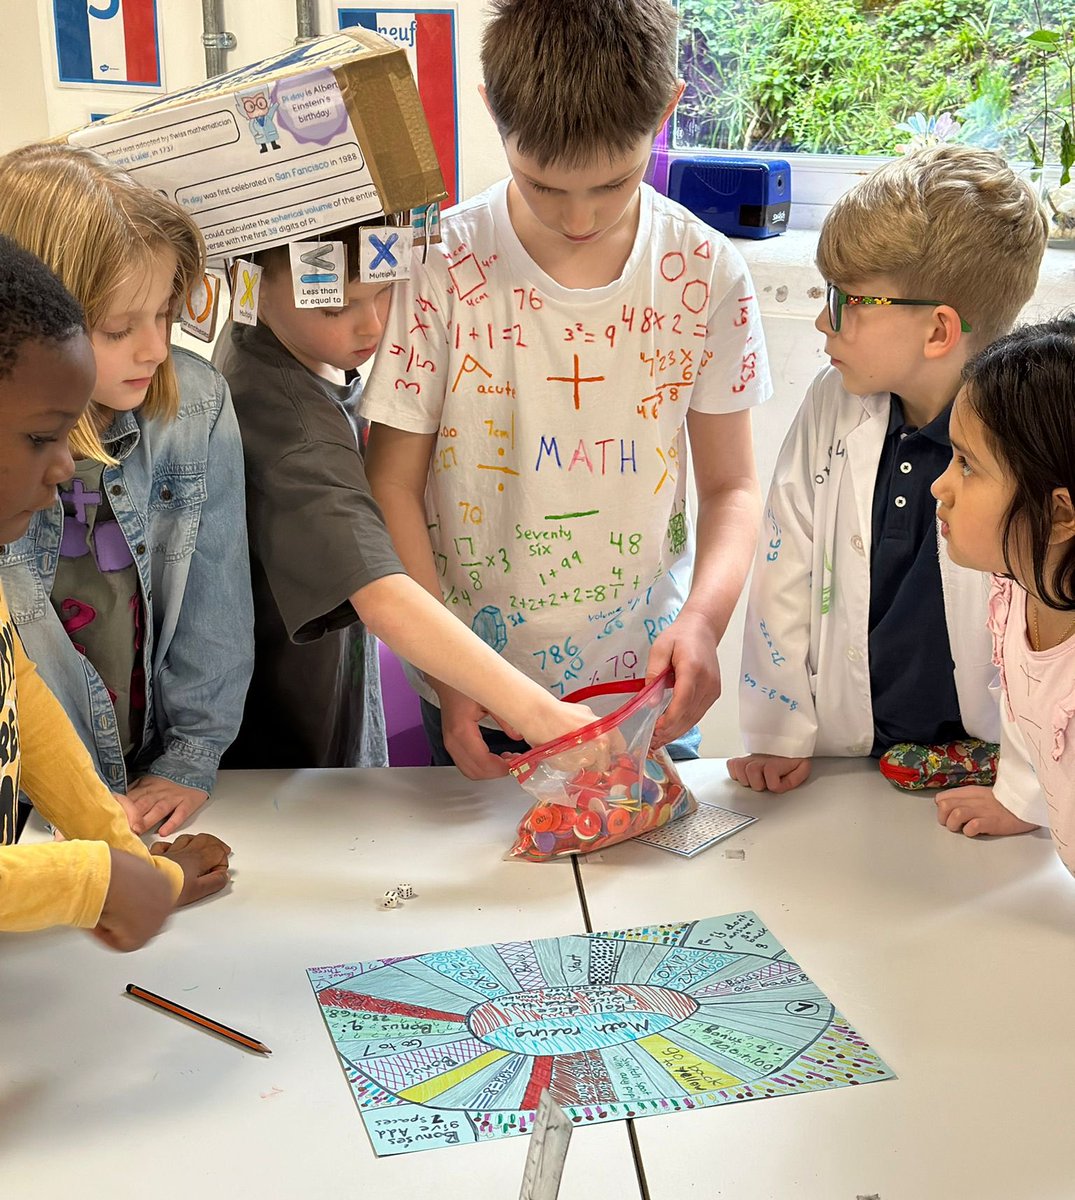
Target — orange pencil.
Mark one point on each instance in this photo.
(233, 1035)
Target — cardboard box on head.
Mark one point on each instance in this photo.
(325, 134)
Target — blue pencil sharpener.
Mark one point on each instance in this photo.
(740, 197)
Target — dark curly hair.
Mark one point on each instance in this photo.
(34, 305)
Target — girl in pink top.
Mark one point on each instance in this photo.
(1005, 505)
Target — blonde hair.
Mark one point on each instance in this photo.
(97, 228)
(573, 80)
(950, 223)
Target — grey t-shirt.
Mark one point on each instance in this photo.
(316, 537)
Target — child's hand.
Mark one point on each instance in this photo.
(688, 645)
(137, 904)
(975, 810)
(769, 772)
(204, 860)
(153, 798)
(128, 806)
(556, 720)
(459, 717)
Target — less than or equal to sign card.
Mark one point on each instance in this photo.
(693, 834)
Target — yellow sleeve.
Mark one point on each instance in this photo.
(64, 883)
(55, 883)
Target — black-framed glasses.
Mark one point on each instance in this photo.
(835, 301)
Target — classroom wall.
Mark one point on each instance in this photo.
(22, 74)
(787, 283)
(261, 27)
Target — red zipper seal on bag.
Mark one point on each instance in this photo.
(524, 766)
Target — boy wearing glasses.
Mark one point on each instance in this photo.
(860, 637)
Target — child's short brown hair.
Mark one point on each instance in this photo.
(574, 79)
(950, 223)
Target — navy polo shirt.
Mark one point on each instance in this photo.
(912, 677)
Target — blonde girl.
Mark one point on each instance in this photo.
(133, 592)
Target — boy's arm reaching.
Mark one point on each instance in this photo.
(401, 442)
(397, 467)
(728, 503)
(417, 626)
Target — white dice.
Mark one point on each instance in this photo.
(392, 898)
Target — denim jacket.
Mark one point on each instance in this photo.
(177, 494)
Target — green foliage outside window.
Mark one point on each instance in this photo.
(838, 76)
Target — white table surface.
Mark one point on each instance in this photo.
(103, 1096)
(954, 958)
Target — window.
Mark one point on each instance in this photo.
(836, 77)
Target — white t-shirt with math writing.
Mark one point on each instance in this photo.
(557, 498)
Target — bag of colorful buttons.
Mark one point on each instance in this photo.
(602, 784)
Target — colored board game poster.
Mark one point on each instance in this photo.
(108, 43)
(429, 37)
(457, 1045)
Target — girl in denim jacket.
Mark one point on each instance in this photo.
(133, 592)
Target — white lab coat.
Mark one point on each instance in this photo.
(805, 680)
(806, 629)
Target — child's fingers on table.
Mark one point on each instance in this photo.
(958, 815)
(211, 851)
(208, 884)
(754, 770)
(211, 840)
(138, 801)
(182, 813)
(129, 805)
(155, 814)
(957, 806)
(180, 843)
(741, 769)
(782, 775)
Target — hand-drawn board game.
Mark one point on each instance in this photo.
(456, 1045)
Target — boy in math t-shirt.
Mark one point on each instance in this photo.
(540, 373)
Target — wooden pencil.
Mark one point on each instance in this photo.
(169, 1006)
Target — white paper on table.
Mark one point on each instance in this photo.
(692, 834)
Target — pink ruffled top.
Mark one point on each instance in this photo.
(1039, 691)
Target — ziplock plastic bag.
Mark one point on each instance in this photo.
(602, 784)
